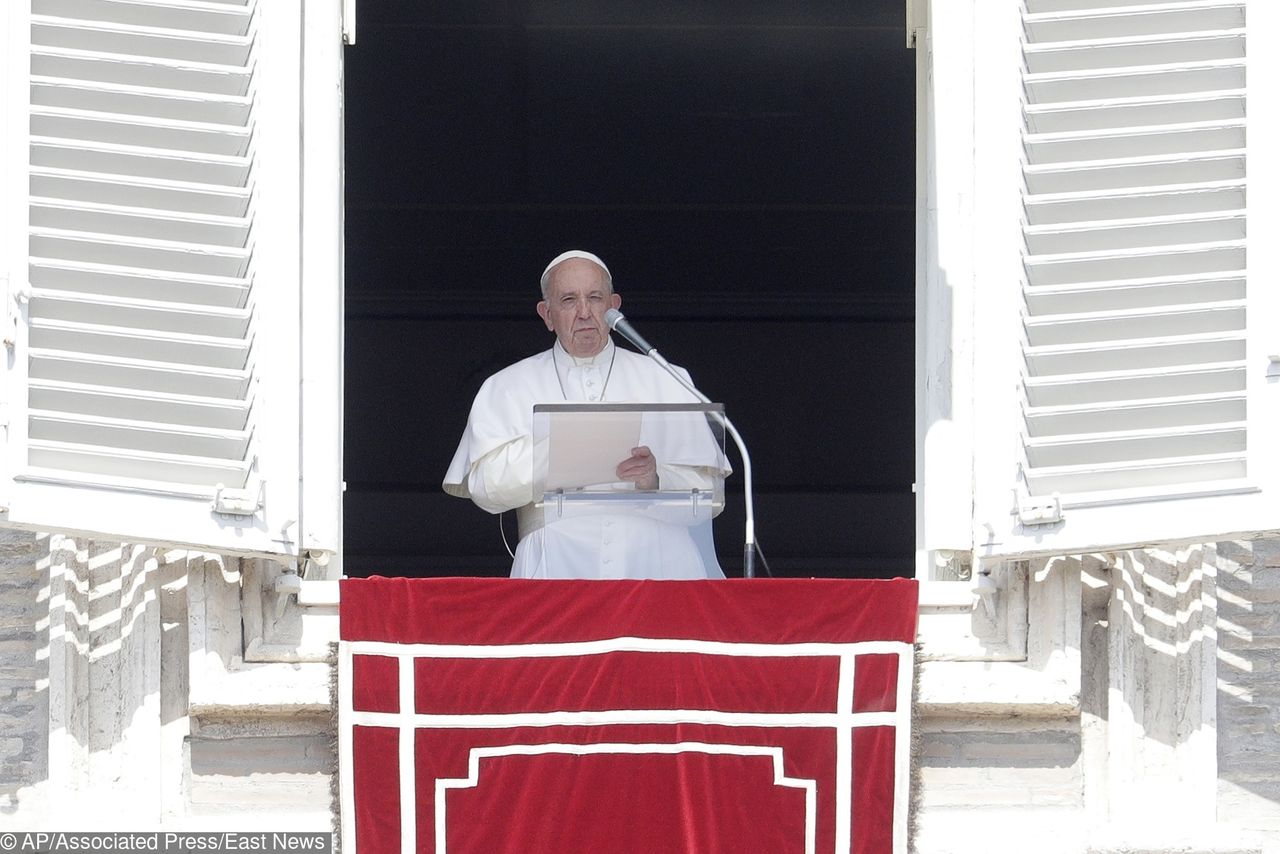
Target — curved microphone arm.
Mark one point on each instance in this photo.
(619, 324)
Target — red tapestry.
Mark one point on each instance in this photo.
(483, 716)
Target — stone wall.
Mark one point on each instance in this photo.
(24, 693)
(101, 646)
(1003, 762)
(1179, 687)
(1249, 684)
(279, 766)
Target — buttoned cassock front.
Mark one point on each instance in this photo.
(493, 466)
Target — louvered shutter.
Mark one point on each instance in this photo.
(154, 372)
(1141, 340)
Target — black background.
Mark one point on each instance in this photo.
(745, 167)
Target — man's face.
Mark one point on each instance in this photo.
(577, 298)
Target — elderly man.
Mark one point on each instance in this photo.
(493, 465)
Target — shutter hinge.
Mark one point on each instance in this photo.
(21, 297)
(238, 502)
(1040, 510)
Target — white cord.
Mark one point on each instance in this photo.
(502, 529)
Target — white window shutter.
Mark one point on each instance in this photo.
(155, 362)
(1125, 313)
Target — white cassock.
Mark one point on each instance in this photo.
(493, 466)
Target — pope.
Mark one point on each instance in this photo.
(494, 463)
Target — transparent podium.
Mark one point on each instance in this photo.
(594, 525)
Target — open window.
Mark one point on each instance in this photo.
(174, 343)
(745, 171)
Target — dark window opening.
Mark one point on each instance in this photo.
(747, 171)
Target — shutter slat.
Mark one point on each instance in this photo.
(154, 194)
(1143, 82)
(123, 463)
(1111, 145)
(1138, 384)
(170, 256)
(1086, 206)
(138, 435)
(1132, 294)
(1091, 236)
(153, 72)
(1134, 445)
(1135, 293)
(1085, 267)
(1137, 173)
(1037, 7)
(1199, 48)
(1166, 352)
(139, 282)
(1100, 477)
(1134, 112)
(88, 338)
(198, 17)
(143, 314)
(1173, 18)
(138, 161)
(141, 41)
(1151, 320)
(1181, 411)
(100, 401)
(140, 132)
(140, 101)
(139, 374)
(117, 220)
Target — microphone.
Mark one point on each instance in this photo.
(619, 323)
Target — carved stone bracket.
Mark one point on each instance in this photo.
(295, 622)
(1007, 642)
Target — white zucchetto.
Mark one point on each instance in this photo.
(573, 253)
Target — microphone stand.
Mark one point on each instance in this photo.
(615, 319)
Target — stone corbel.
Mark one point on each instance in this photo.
(231, 668)
(289, 616)
(1005, 644)
(982, 617)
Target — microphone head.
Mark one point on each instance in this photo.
(612, 316)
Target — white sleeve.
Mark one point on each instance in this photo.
(677, 476)
(503, 478)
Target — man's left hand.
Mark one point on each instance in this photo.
(640, 468)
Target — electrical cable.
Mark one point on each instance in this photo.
(503, 529)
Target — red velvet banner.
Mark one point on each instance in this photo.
(481, 716)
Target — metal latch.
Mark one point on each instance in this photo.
(238, 502)
(21, 297)
(1040, 510)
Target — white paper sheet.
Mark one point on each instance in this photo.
(586, 447)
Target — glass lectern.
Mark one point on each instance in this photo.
(595, 525)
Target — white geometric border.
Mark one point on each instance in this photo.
(843, 720)
(810, 787)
